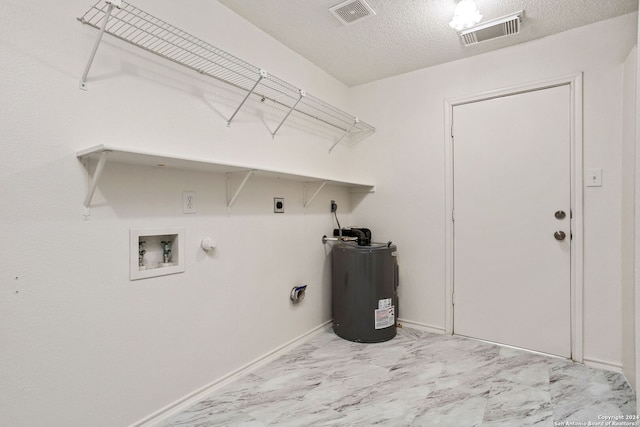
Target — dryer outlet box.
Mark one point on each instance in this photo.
(278, 205)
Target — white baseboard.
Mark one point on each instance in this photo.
(188, 400)
(421, 326)
(600, 364)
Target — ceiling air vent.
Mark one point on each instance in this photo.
(496, 28)
(351, 11)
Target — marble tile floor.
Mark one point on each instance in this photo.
(416, 379)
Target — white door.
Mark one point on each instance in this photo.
(511, 264)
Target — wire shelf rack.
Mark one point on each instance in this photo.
(132, 25)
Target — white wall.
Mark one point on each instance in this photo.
(406, 158)
(636, 368)
(628, 217)
(82, 345)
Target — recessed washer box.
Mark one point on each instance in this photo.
(156, 252)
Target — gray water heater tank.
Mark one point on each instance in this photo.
(364, 291)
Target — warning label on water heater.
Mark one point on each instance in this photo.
(385, 317)
(384, 303)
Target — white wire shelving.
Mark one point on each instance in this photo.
(134, 26)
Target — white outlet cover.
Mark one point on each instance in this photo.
(189, 202)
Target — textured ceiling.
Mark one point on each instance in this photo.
(406, 35)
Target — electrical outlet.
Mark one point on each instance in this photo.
(189, 202)
(278, 205)
(334, 206)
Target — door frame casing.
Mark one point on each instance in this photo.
(576, 287)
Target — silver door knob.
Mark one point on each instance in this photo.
(560, 215)
(559, 235)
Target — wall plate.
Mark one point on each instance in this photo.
(189, 202)
(278, 205)
(593, 177)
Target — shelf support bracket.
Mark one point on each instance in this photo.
(302, 94)
(307, 202)
(261, 76)
(96, 177)
(112, 4)
(233, 198)
(355, 123)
